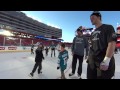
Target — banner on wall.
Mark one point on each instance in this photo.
(2, 48)
(12, 48)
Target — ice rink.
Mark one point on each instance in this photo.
(18, 65)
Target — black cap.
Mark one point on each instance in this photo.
(97, 13)
(79, 29)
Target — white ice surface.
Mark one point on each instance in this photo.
(19, 65)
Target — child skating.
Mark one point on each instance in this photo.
(62, 62)
(38, 60)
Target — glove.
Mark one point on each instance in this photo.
(105, 64)
(58, 68)
(87, 61)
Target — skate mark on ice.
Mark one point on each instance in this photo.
(42, 76)
(73, 77)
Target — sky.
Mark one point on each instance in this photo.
(69, 21)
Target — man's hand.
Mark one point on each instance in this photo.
(105, 64)
(59, 50)
(72, 53)
(86, 57)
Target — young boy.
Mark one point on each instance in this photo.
(62, 62)
(38, 60)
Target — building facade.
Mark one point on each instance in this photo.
(18, 21)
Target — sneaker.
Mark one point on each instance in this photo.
(71, 74)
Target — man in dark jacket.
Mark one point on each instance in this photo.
(101, 62)
(79, 44)
(38, 60)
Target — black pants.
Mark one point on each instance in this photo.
(53, 50)
(74, 62)
(39, 65)
(46, 53)
(32, 51)
(94, 72)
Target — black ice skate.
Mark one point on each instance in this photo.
(39, 72)
(31, 75)
(79, 77)
(71, 74)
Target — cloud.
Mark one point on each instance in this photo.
(49, 24)
(35, 18)
(38, 19)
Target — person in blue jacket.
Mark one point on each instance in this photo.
(62, 62)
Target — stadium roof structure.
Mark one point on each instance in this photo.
(50, 39)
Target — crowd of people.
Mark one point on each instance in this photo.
(99, 51)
